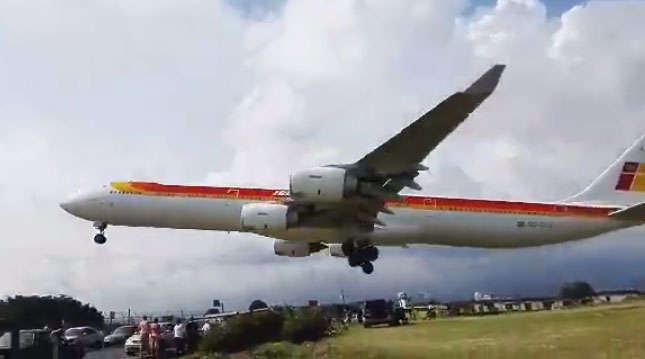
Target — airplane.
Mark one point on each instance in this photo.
(349, 210)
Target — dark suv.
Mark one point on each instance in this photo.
(381, 311)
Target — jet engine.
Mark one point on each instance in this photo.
(291, 248)
(267, 216)
(322, 184)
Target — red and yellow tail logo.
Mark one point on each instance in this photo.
(632, 178)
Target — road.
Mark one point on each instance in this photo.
(115, 352)
(107, 353)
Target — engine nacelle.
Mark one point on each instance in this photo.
(322, 184)
(267, 217)
(291, 248)
(335, 250)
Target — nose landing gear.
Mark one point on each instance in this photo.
(361, 254)
(100, 238)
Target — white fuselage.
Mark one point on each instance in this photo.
(440, 221)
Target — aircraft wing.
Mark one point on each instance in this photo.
(398, 160)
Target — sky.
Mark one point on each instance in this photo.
(221, 92)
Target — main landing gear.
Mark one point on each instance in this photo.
(360, 254)
(99, 238)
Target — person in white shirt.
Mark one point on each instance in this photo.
(206, 328)
(180, 337)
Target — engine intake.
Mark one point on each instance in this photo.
(267, 217)
(322, 184)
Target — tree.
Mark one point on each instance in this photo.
(31, 312)
(257, 304)
(576, 290)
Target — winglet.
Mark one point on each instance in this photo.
(486, 84)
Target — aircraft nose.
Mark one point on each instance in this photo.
(70, 206)
(73, 203)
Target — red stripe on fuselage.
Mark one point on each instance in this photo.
(414, 202)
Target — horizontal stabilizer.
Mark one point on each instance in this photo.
(634, 213)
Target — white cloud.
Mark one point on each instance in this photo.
(195, 91)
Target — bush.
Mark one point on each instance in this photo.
(213, 342)
(305, 324)
(242, 332)
(250, 330)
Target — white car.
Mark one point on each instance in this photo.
(84, 337)
(132, 345)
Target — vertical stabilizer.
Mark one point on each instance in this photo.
(623, 183)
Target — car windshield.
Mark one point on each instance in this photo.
(73, 332)
(26, 340)
(124, 331)
(5, 340)
(376, 305)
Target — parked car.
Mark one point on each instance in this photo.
(36, 343)
(132, 345)
(381, 311)
(119, 335)
(86, 337)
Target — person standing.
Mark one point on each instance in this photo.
(180, 337)
(155, 332)
(57, 337)
(191, 335)
(144, 332)
(206, 328)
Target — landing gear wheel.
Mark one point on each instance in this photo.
(367, 267)
(370, 253)
(100, 239)
(347, 247)
(354, 259)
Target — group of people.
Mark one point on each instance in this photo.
(153, 344)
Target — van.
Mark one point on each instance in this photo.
(381, 311)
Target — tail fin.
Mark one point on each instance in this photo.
(623, 183)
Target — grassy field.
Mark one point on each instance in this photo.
(611, 331)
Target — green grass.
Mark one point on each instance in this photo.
(607, 332)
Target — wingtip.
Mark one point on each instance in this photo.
(487, 82)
